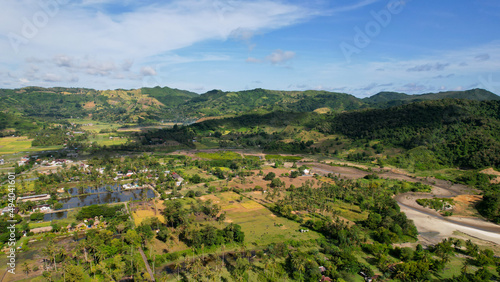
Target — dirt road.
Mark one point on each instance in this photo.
(431, 225)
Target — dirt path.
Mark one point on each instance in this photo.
(431, 225)
(147, 265)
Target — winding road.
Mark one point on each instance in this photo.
(432, 227)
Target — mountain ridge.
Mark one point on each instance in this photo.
(150, 105)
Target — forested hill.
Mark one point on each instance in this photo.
(151, 105)
(216, 102)
(458, 132)
(387, 99)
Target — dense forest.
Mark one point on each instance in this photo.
(459, 132)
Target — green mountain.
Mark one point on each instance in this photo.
(150, 105)
(217, 103)
(388, 99)
(457, 132)
(127, 106)
(170, 97)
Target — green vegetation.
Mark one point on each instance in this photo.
(225, 215)
(107, 212)
(438, 204)
(461, 123)
(221, 155)
(283, 158)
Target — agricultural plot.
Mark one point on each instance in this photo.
(220, 155)
(13, 145)
(142, 211)
(95, 126)
(260, 225)
(283, 158)
(108, 139)
(250, 182)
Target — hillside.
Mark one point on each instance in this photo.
(151, 105)
(388, 99)
(458, 132)
(216, 102)
(440, 133)
(125, 106)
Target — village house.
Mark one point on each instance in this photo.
(325, 279)
(178, 179)
(42, 197)
(8, 210)
(42, 208)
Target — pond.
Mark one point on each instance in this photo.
(75, 191)
(55, 216)
(116, 196)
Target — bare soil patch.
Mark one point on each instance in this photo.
(464, 205)
(491, 171)
(89, 105)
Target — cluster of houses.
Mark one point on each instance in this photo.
(86, 224)
(24, 160)
(38, 208)
(56, 162)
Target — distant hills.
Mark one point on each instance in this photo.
(150, 105)
(387, 99)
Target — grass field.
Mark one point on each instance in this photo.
(220, 155)
(13, 145)
(283, 158)
(207, 143)
(141, 215)
(107, 139)
(260, 225)
(39, 224)
(92, 125)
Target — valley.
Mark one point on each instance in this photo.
(395, 187)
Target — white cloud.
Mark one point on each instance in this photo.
(253, 60)
(63, 61)
(87, 40)
(451, 68)
(148, 71)
(280, 56)
(50, 77)
(429, 67)
(482, 57)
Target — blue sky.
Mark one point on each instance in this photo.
(360, 47)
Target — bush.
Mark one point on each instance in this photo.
(270, 176)
(37, 216)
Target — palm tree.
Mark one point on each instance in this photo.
(51, 252)
(26, 268)
(177, 266)
(465, 267)
(298, 263)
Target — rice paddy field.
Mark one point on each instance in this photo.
(14, 145)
